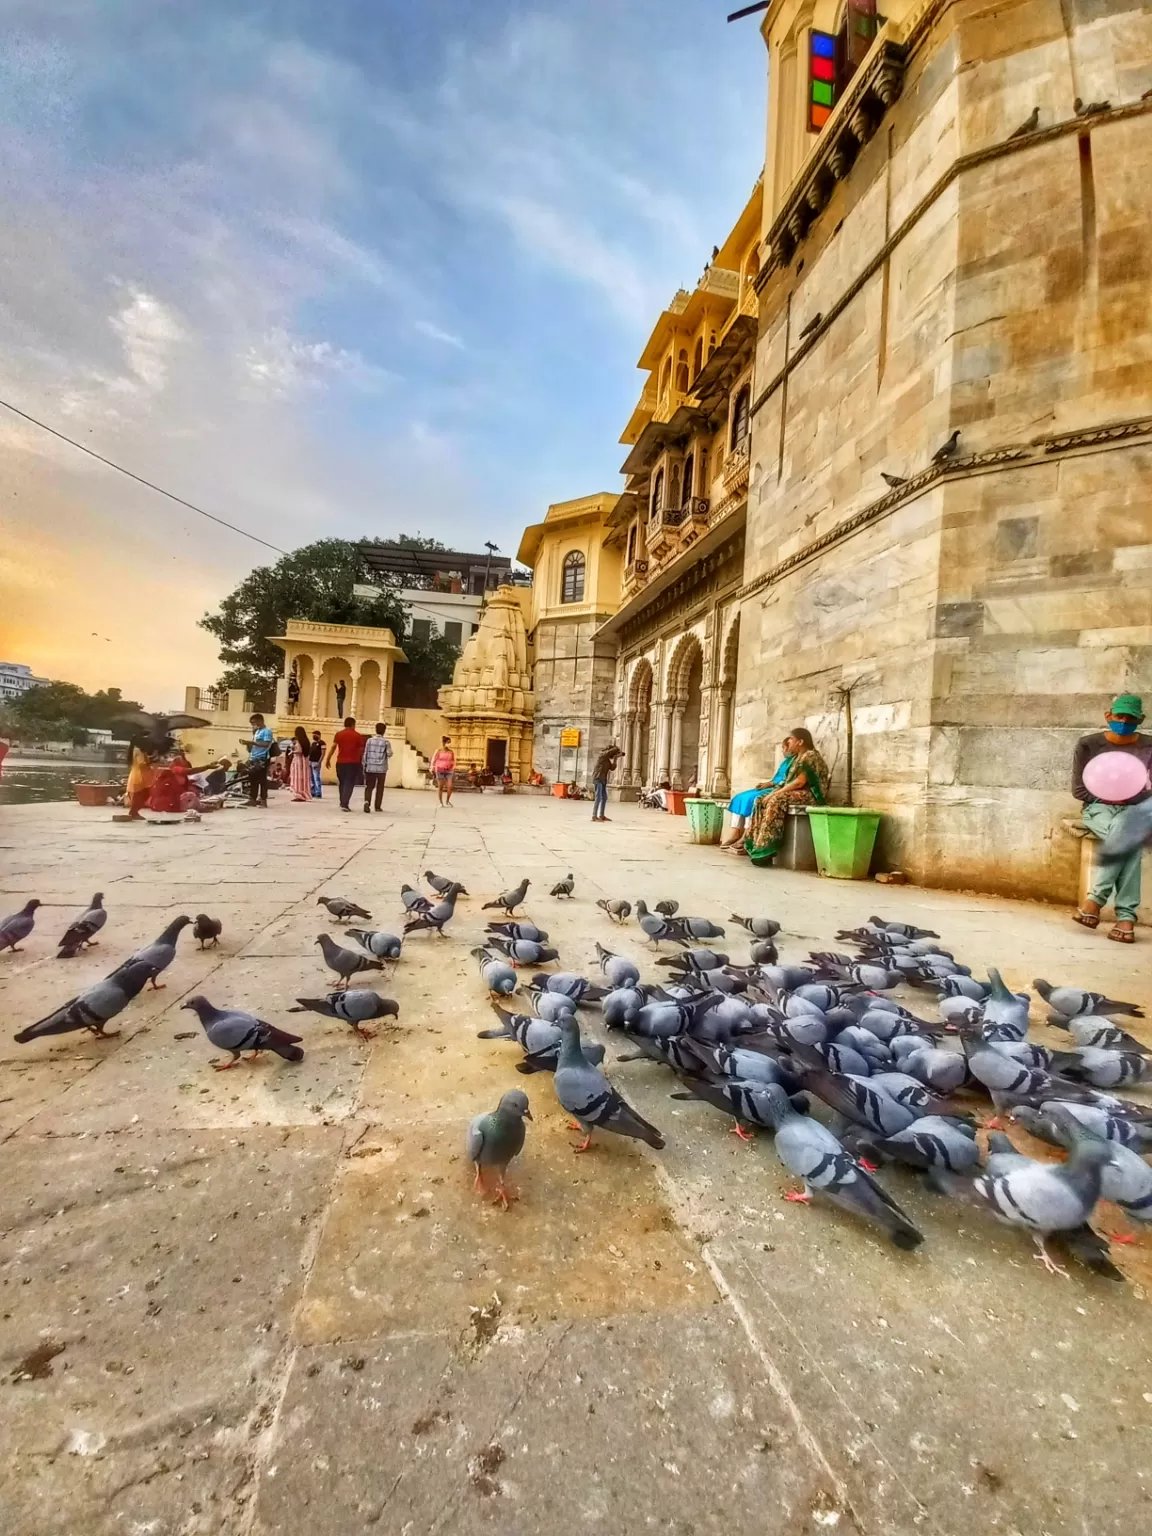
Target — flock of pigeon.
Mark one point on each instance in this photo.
(845, 1078)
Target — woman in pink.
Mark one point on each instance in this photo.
(443, 768)
(300, 767)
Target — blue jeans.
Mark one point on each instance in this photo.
(316, 786)
(599, 797)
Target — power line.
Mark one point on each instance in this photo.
(140, 480)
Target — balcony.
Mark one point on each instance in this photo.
(693, 520)
(734, 474)
(635, 575)
(663, 531)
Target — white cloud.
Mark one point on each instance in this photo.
(148, 332)
(280, 364)
(435, 333)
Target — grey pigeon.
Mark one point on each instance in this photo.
(1005, 1008)
(435, 917)
(1107, 1069)
(810, 1151)
(346, 963)
(578, 988)
(94, 1007)
(747, 1102)
(589, 1097)
(959, 1010)
(539, 1040)
(233, 1031)
(893, 482)
(619, 911)
(621, 1006)
(160, 954)
(700, 927)
(1130, 829)
(934, 1144)
(811, 326)
(1086, 1030)
(942, 1071)
(763, 953)
(667, 908)
(897, 929)
(520, 931)
(1072, 1003)
(959, 985)
(508, 901)
(760, 927)
(385, 946)
(1096, 1120)
(697, 960)
(16, 928)
(1089, 108)
(414, 901)
(341, 908)
(564, 887)
(84, 930)
(857, 1100)
(442, 885)
(499, 977)
(495, 1139)
(620, 971)
(1044, 1198)
(525, 951)
(207, 930)
(947, 450)
(1029, 125)
(356, 1006)
(657, 928)
(1127, 1178)
(554, 1006)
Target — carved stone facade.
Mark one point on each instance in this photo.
(488, 706)
(930, 271)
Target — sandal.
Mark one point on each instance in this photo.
(1088, 919)
(1122, 934)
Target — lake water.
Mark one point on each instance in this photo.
(25, 779)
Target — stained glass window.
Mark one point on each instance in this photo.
(821, 78)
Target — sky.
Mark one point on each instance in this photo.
(342, 270)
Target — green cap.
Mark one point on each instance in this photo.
(1128, 704)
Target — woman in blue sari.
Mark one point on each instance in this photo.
(740, 806)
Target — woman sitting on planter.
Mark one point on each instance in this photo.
(806, 784)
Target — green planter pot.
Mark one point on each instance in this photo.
(844, 838)
(705, 820)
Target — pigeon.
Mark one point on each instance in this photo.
(856, 1098)
(82, 932)
(759, 927)
(508, 901)
(745, 1101)
(442, 885)
(733, 1061)
(385, 946)
(1089, 108)
(231, 1030)
(763, 953)
(539, 1040)
(525, 951)
(589, 1097)
(1126, 1179)
(341, 908)
(667, 908)
(698, 960)
(1029, 125)
(811, 326)
(947, 450)
(578, 988)
(554, 1006)
(160, 954)
(893, 482)
(207, 930)
(1128, 832)
(1107, 1069)
(355, 1005)
(700, 927)
(499, 977)
(520, 931)
(620, 971)
(942, 1071)
(621, 1006)
(413, 900)
(1096, 1120)
(1047, 1197)
(619, 911)
(1088, 1031)
(16, 928)
(1004, 1008)
(658, 929)
(935, 1144)
(1072, 1003)
(94, 1007)
(434, 917)
(563, 887)
(346, 963)
(810, 1151)
(962, 986)
(495, 1139)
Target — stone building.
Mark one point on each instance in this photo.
(488, 706)
(950, 510)
(576, 555)
(681, 525)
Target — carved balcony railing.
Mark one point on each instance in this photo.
(635, 575)
(695, 509)
(734, 474)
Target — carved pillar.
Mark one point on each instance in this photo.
(316, 680)
(677, 748)
(721, 779)
(627, 736)
(354, 706)
(663, 714)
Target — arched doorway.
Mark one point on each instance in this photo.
(721, 759)
(639, 737)
(306, 674)
(336, 671)
(685, 682)
(368, 694)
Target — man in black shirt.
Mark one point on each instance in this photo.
(604, 766)
(1117, 880)
(315, 758)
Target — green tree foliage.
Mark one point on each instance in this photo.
(59, 711)
(316, 583)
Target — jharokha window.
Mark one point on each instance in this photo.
(740, 417)
(833, 58)
(572, 588)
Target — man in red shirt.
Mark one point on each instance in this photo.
(348, 746)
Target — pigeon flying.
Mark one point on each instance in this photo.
(95, 1006)
(14, 929)
(207, 930)
(84, 930)
(230, 1030)
(495, 1139)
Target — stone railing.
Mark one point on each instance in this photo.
(734, 474)
(695, 509)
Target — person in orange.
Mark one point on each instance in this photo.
(443, 769)
(348, 748)
(141, 777)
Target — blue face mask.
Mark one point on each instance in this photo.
(1123, 727)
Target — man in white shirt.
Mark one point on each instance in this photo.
(377, 755)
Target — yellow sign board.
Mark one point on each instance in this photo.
(570, 738)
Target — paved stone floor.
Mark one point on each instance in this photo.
(282, 1310)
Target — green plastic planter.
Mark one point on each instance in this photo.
(843, 838)
(705, 820)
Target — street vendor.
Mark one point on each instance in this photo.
(1116, 881)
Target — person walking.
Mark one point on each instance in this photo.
(259, 761)
(300, 766)
(1117, 880)
(605, 763)
(348, 746)
(377, 756)
(443, 770)
(315, 763)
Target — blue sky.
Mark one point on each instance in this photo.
(343, 269)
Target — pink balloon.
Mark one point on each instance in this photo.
(1115, 776)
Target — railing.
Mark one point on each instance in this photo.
(209, 699)
(672, 517)
(696, 508)
(735, 471)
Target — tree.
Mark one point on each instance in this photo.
(59, 711)
(316, 583)
(430, 662)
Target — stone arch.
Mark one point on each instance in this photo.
(639, 715)
(369, 692)
(335, 670)
(684, 653)
(730, 654)
(306, 675)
